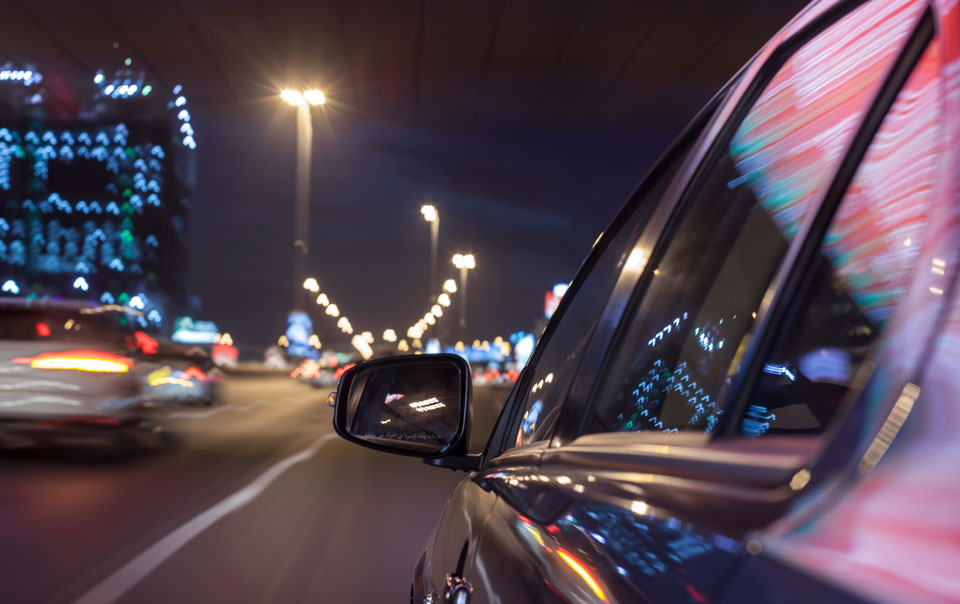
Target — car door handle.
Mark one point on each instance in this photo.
(457, 590)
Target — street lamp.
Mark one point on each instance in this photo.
(464, 262)
(431, 215)
(302, 101)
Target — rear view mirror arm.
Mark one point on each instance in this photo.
(464, 463)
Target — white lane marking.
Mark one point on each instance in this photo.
(120, 582)
(41, 400)
(210, 412)
(38, 383)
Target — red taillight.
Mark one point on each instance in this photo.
(79, 360)
(43, 330)
(339, 372)
(194, 373)
(80, 421)
(145, 343)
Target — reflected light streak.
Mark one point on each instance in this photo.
(575, 564)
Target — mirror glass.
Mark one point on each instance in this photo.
(414, 406)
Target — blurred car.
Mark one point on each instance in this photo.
(174, 373)
(314, 373)
(750, 391)
(68, 375)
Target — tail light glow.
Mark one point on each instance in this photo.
(194, 373)
(145, 343)
(79, 360)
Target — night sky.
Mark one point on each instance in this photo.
(526, 123)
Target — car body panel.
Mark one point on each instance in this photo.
(727, 519)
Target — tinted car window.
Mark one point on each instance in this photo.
(40, 324)
(866, 261)
(693, 323)
(556, 367)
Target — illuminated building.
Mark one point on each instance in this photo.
(94, 184)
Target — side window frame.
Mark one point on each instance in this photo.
(795, 280)
(659, 232)
(501, 438)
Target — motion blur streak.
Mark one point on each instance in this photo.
(117, 584)
(80, 360)
(583, 572)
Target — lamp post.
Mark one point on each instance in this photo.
(302, 101)
(464, 262)
(431, 215)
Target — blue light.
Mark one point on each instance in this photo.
(81, 284)
(774, 369)
(98, 79)
(109, 89)
(10, 287)
(181, 101)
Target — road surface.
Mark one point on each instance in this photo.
(259, 502)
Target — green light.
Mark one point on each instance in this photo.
(146, 90)
(127, 61)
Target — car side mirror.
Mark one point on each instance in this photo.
(412, 405)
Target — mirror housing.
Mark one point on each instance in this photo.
(416, 405)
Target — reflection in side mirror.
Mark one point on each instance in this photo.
(414, 405)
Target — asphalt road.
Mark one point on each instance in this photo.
(258, 502)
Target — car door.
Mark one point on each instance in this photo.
(527, 417)
(649, 482)
(883, 525)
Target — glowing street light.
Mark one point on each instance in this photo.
(294, 97)
(323, 300)
(436, 311)
(314, 97)
(302, 100)
(431, 215)
(444, 299)
(311, 285)
(449, 286)
(464, 262)
(389, 336)
(362, 346)
(367, 336)
(333, 311)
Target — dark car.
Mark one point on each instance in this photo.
(750, 392)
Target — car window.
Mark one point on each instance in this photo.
(69, 326)
(866, 261)
(690, 329)
(555, 369)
